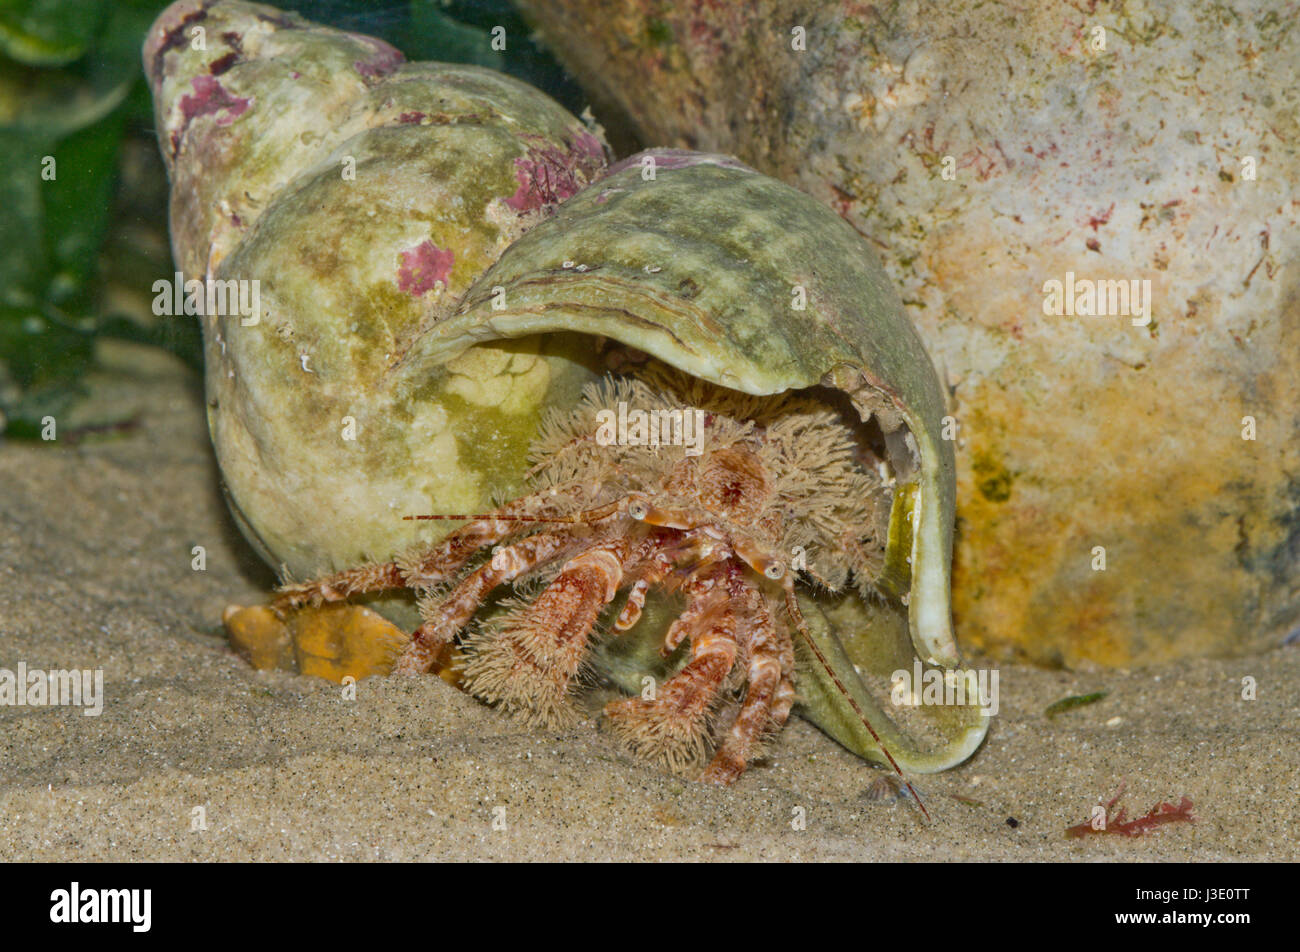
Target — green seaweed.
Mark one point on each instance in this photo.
(1073, 701)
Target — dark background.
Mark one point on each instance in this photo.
(79, 254)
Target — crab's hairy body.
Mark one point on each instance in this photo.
(774, 486)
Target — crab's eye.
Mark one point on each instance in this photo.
(775, 570)
(638, 510)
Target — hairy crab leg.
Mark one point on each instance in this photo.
(700, 596)
(673, 727)
(785, 691)
(445, 619)
(441, 561)
(526, 665)
(764, 675)
(459, 547)
(380, 577)
(685, 623)
(658, 556)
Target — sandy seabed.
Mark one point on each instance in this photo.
(96, 545)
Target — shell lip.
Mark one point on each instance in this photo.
(933, 477)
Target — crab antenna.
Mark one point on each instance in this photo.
(470, 516)
(792, 606)
(587, 515)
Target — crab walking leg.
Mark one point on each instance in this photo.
(673, 727)
(702, 594)
(666, 551)
(445, 619)
(651, 572)
(785, 691)
(786, 695)
(436, 565)
(756, 716)
(527, 664)
(688, 621)
(457, 548)
(380, 577)
(427, 569)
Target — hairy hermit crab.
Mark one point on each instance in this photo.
(693, 441)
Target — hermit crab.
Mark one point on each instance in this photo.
(693, 443)
(716, 525)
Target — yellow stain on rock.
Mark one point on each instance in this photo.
(1184, 526)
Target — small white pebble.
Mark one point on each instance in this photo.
(1115, 722)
